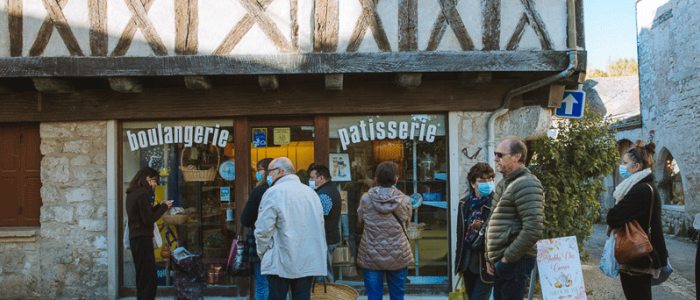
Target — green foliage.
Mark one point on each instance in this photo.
(215, 240)
(619, 67)
(572, 168)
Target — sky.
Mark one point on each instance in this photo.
(611, 31)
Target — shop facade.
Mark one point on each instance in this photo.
(204, 117)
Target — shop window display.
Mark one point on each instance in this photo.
(417, 144)
(197, 170)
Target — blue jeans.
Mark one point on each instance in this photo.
(329, 261)
(510, 279)
(476, 288)
(374, 283)
(262, 289)
(301, 287)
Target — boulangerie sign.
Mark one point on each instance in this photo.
(188, 135)
(559, 266)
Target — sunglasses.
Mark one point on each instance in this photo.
(501, 155)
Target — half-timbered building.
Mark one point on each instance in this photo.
(93, 90)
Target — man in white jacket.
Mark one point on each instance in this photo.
(289, 232)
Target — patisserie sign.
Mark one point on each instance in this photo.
(188, 135)
(370, 131)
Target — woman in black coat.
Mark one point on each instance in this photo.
(248, 218)
(142, 216)
(473, 214)
(636, 197)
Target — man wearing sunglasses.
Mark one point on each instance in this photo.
(516, 223)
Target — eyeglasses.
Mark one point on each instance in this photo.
(270, 170)
(501, 155)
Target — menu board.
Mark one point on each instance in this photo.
(559, 267)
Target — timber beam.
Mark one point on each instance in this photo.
(291, 63)
(472, 79)
(53, 85)
(125, 85)
(198, 83)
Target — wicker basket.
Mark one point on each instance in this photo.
(199, 175)
(175, 219)
(333, 291)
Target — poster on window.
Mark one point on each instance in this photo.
(559, 266)
(340, 167)
(259, 137)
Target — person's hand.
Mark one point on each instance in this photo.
(169, 203)
(476, 225)
(503, 260)
(489, 269)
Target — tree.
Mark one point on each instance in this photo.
(619, 67)
(572, 168)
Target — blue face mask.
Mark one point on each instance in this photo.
(258, 176)
(623, 172)
(269, 180)
(312, 184)
(485, 188)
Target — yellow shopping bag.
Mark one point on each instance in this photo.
(459, 293)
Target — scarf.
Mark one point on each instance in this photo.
(475, 205)
(625, 186)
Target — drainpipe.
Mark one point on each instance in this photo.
(491, 144)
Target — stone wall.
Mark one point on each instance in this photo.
(676, 221)
(669, 44)
(68, 260)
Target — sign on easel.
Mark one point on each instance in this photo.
(559, 266)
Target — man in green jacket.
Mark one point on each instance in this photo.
(516, 223)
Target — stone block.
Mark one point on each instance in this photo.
(63, 214)
(50, 146)
(91, 129)
(93, 225)
(19, 286)
(92, 172)
(99, 143)
(81, 160)
(78, 195)
(56, 255)
(54, 130)
(79, 147)
(49, 194)
(101, 158)
(84, 210)
(55, 169)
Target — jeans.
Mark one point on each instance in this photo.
(329, 261)
(374, 283)
(476, 289)
(636, 287)
(145, 264)
(262, 289)
(510, 279)
(301, 287)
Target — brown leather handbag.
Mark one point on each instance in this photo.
(632, 242)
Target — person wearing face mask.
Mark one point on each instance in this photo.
(473, 214)
(320, 180)
(290, 234)
(142, 216)
(636, 197)
(248, 218)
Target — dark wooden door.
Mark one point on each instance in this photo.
(20, 174)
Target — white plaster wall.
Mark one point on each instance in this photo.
(217, 18)
(670, 85)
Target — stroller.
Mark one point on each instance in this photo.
(190, 277)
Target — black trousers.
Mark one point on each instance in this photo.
(636, 287)
(145, 264)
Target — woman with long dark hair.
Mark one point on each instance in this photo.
(142, 216)
(636, 197)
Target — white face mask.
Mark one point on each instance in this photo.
(312, 184)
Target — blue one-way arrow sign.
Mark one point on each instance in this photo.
(572, 105)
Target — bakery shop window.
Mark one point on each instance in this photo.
(195, 159)
(417, 144)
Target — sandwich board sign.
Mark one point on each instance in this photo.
(572, 105)
(559, 266)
